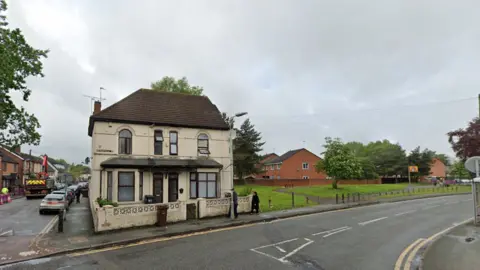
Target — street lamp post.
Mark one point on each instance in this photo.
(232, 216)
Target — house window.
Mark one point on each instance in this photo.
(126, 186)
(173, 143)
(278, 166)
(15, 168)
(4, 166)
(305, 165)
(202, 142)
(158, 144)
(125, 142)
(305, 177)
(272, 177)
(140, 186)
(278, 177)
(109, 185)
(271, 167)
(203, 185)
(101, 184)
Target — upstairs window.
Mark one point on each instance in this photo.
(202, 142)
(173, 143)
(305, 165)
(125, 142)
(158, 144)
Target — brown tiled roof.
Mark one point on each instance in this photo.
(286, 156)
(149, 107)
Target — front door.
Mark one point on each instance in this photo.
(158, 187)
(172, 187)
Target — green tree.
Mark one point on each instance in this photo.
(18, 61)
(422, 159)
(389, 159)
(78, 169)
(228, 119)
(170, 84)
(359, 150)
(458, 171)
(247, 146)
(338, 162)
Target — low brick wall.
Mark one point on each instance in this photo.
(303, 182)
(125, 216)
(220, 207)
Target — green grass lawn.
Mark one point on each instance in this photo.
(328, 192)
(280, 201)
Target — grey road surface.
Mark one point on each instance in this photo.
(367, 238)
(20, 222)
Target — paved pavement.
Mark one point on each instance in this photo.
(20, 223)
(371, 237)
(457, 249)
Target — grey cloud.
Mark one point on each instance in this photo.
(303, 70)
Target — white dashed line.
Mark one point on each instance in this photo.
(371, 221)
(279, 243)
(338, 231)
(284, 258)
(279, 248)
(406, 212)
(329, 231)
(454, 202)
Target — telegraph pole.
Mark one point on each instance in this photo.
(478, 105)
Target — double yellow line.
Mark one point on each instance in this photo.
(44, 231)
(412, 249)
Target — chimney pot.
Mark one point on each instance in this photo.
(97, 107)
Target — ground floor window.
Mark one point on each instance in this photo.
(126, 186)
(203, 185)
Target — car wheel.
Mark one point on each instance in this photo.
(40, 212)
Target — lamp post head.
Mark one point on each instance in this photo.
(240, 114)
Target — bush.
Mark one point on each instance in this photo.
(245, 191)
(103, 202)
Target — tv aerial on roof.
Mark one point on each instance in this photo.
(93, 98)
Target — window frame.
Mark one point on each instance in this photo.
(128, 150)
(155, 142)
(306, 177)
(15, 167)
(205, 138)
(278, 166)
(197, 181)
(173, 143)
(4, 166)
(110, 185)
(119, 187)
(305, 167)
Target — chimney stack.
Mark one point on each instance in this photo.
(97, 107)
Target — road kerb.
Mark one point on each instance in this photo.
(422, 244)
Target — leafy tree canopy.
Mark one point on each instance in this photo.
(170, 84)
(19, 61)
(465, 142)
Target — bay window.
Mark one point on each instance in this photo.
(203, 185)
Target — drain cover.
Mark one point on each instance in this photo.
(469, 239)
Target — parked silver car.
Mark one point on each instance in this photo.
(53, 203)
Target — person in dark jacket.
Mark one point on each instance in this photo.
(255, 203)
(77, 194)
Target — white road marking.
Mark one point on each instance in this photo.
(284, 258)
(329, 231)
(332, 233)
(406, 212)
(467, 200)
(281, 249)
(279, 243)
(6, 232)
(371, 221)
(430, 207)
(454, 202)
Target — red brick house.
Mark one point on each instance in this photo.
(12, 166)
(294, 164)
(438, 169)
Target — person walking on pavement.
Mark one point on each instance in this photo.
(77, 194)
(255, 202)
(235, 203)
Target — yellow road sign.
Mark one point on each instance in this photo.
(413, 168)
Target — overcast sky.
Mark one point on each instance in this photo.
(401, 70)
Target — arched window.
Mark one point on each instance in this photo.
(202, 142)
(125, 142)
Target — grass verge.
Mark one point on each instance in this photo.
(329, 192)
(279, 201)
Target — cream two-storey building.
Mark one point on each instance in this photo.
(173, 146)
